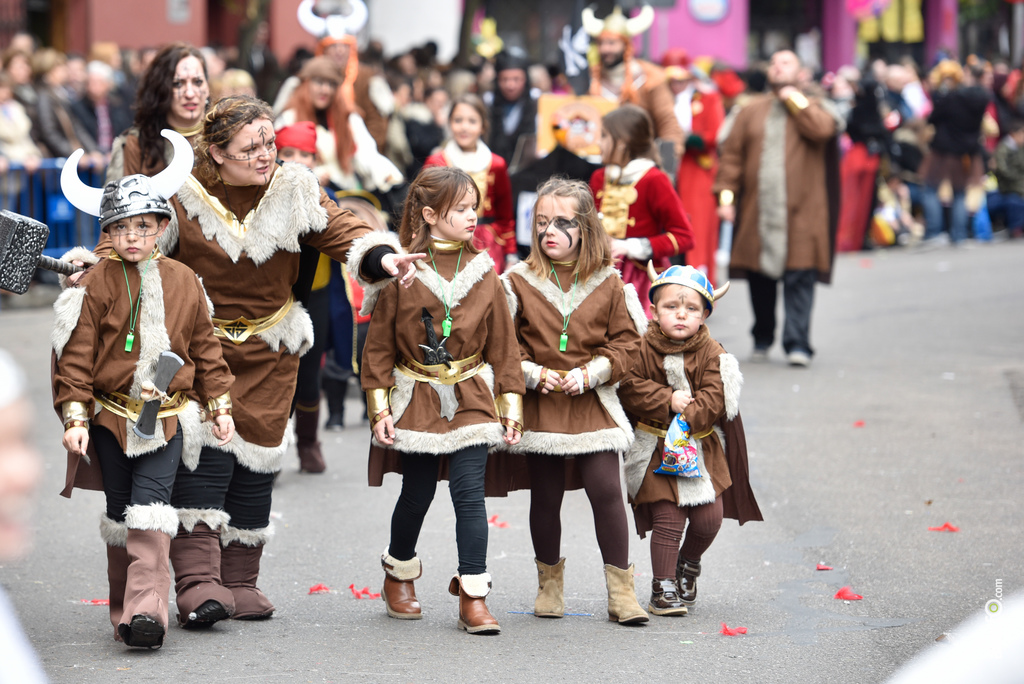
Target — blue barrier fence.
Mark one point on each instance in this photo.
(38, 195)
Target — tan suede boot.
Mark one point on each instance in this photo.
(473, 614)
(622, 604)
(398, 593)
(144, 620)
(550, 601)
(201, 597)
(115, 536)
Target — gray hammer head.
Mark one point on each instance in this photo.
(21, 244)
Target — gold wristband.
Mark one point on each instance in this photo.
(726, 198)
(377, 401)
(509, 407)
(379, 417)
(76, 423)
(219, 406)
(797, 102)
(75, 411)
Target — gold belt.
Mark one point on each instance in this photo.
(660, 430)
(460, 370)
(242, 328)
(124, 406)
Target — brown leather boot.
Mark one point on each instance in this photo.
(550, 600)
(473, 614)
(665, 598)
(239, 570)
(144, 620)
(307, 422)
(687, 572)
(398, 593)
(622, 604)
(115, 536)
(201, 597)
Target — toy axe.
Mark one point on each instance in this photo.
(21, 252)
(166, 368)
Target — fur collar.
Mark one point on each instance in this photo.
(470, 162)
(554, 294)
(463, 282)
(289, 209)
(664, 345)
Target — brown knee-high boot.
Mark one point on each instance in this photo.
(398, 593)
(307, 423)
(240, 568)
(144, 620)
(115, 536)
(195, 554)
(473, 614)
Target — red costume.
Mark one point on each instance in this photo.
(496, 225)
(641, 203)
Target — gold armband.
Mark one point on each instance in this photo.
(377, 402)
(75, 414)
(797, 102)
(219, 406)
(726, 198)
(509, 408)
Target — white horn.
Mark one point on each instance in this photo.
(310, 21)
(720, 292)
(83, 197)
(167, 182)
(591, 24)
(355, 21)
(641, 22)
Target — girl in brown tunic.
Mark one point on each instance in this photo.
(577, 326)
(441, 373)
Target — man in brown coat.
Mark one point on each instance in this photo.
(773, 168)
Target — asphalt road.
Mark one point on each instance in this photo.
(910, 417)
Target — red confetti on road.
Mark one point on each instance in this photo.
(945, 527)
(732, 631)
(823, 567)
(846, 594)
(362, 593)
(319, 589)
(493, 522)
(95, 602)
(858, 424)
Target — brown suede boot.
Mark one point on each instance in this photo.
(201, 597)
(239, 570)
(307, 422)
(622, 604)
(550, 601)
(115, 536)
(398, 593)
(144, 620)
(473, 614)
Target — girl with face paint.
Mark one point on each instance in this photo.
(579, 329)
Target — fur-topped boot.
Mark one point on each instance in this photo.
(195, 554)
(115, 536)
(550, 602)
(240, 568)
(687, 572)
(144, 619)
(307, 424)
(622, 604)
(473, 614)
(398, 593)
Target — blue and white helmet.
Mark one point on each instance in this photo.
(687, 276)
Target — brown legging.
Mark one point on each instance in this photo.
(668, 520)
(600, 474)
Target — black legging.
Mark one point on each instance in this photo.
(136, 481)
(466, 482)
(600, 473)
(222, 483)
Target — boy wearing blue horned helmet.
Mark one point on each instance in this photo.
(131, 317)
(687, 387)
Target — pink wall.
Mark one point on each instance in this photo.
(285, 32)
(838, 36)
(941, 27)
(134, 24)
(725, 40)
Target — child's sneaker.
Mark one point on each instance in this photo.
(665, 598)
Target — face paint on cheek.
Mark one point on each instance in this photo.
(563, 226)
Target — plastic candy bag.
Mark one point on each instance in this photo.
(680, 455)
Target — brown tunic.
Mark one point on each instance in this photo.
(599, 325)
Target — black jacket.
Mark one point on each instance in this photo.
(957, 116)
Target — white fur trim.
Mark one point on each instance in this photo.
(158, 517)
(635, 308)
(480, 434)
(402, 571)
(455, 290)
(209, 302)
(675, 373)
(357, 252)
(167, 243)
(192, 428)
(113, 533)
(554, 294)
(260, 537)
(510, 296)
(477, 586)
(693, 491)
(638, 458)
(66, 312)
(295, 332)
(289, 210)
(616, 439)
(212, 517)
(259, 459)
(732, 382)
(83, 254)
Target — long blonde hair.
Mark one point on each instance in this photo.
(595, 252)
(437, 187)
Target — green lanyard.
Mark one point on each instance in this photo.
(563, 339)
(446, 324)
(133, 309)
